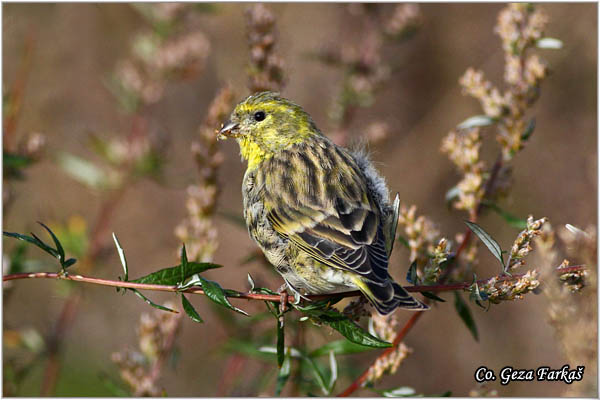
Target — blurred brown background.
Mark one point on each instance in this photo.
(77, 47)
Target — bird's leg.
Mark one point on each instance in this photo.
(283, 298)
(295, 292)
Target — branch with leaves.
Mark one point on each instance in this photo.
(186, 278)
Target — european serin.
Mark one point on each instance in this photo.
(320, 213)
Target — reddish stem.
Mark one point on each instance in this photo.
(358, 382)
(17, 91)
(257, 296)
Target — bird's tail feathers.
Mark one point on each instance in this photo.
(387, 298)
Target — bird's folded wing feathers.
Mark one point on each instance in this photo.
(347, 235)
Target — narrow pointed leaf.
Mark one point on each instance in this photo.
(184, 263)
(403, 241)
(476, 121)
(151, 303)
(84, 171)
(549, 43)
(317, 373)
(280, 342)
(251, 282)
(284, 373)
(172, 275)
(333, 371)
(47, 248)
(432, 296)
(339, 347)
(33, 240)
(234, 218)
(59, 248)
(513, 221)
(348, 328)
(15, 161)
(451, 195)
(490, 243)
(465, 315)
(215, 292)
(190, 310)
(529, 130)
(403, 391)
(411, 275)
(121, 257)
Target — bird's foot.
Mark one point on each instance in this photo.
(297, 296)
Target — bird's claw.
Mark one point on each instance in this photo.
(295, 293)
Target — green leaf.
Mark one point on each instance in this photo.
(451, 195)
(69, 262)
(465, 314)
(17, 259)
(234, 218)
(84, 171)
(529, 130)
(280, 341)
(411, 275)
(307, 361)
(190, 310)
(13, 162)
(404, 242)
(348, 328)
(403, 391)
(284, 373)
(432, 296)
(121, 257)
(249, 349)
(251, 283)
(508, 217)
(184, 263)
(476, 121)
(127, 99)
(339, 347)
(33, 239)
(151, 303)
(490, 243)
(333, 372)
(59, 248)
(215, 292)
(172, 275)
(113, 387)
(549, 43)
(317, 373)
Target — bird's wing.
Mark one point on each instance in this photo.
(343, 232)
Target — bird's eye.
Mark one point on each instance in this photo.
(259, 115)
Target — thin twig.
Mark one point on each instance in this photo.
(16, 93)
(358, 382)
(256, 296)
(99, 232)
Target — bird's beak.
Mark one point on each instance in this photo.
(228, 129)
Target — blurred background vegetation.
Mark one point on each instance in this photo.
(64, 58)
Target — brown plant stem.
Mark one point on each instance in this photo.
(232, 294)
(54, 341)
(72, 303)
(358, 381)
(17, 90)
(233, 368)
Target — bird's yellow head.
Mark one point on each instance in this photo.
(264, 124)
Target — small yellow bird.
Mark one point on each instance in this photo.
(320, 213)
